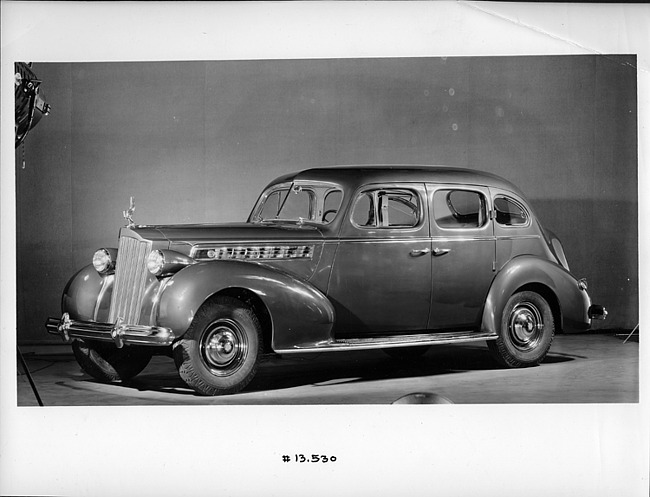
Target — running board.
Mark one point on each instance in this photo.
(386, 342)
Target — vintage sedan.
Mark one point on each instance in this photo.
(331, 259)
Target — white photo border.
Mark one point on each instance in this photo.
(382, 450)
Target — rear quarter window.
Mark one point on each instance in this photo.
(509, 212)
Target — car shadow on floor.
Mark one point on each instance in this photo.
(377, 366)
(278, 373)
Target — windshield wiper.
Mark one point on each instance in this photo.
(285, 199)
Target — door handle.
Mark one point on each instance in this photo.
(440, 251)
(419, 252)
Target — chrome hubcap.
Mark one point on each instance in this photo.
(525, 326)
(224, 347)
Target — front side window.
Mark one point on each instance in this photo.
(459, 209)
(387, 209)
(509, 212)
(331, 205)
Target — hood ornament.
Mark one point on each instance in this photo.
(128, 214)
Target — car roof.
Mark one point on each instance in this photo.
(355, 176)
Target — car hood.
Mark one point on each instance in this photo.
(189, 235)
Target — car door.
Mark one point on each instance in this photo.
(463, 254)
(381, 276)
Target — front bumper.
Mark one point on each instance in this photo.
(118, 333)
(597, 312)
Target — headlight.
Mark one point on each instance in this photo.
(166, 262)
(156, 262)
(103, 261)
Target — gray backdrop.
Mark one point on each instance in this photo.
(197, 141)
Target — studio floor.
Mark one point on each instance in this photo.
(585, 368)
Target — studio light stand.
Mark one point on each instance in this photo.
(29, 376)
(30, 107)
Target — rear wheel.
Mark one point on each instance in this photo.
(527, 330)
(219, 353)
(105, 362)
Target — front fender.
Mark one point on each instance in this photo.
(300, 314)
(530, 270)
(87, 295)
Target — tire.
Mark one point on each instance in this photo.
(219, 354)
(105, 362)
(407, 353)
(527, 330)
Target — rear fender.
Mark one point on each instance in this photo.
(529, 271)
(301, 315)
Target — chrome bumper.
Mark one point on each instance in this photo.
(597, 312)
(118, 333)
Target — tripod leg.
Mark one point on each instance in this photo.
(29, 377)
(632, 333)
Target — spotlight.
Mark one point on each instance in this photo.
(30, 101)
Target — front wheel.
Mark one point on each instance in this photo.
(219, 353)
(527, 330)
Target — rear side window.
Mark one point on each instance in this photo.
(387, 209)
(509, 212)
(459, 208)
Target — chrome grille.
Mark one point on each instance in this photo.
(130, 279)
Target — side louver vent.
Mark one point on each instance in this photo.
(276, 252)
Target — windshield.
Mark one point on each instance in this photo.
(299, 202)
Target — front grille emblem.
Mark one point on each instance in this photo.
(128, 214)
